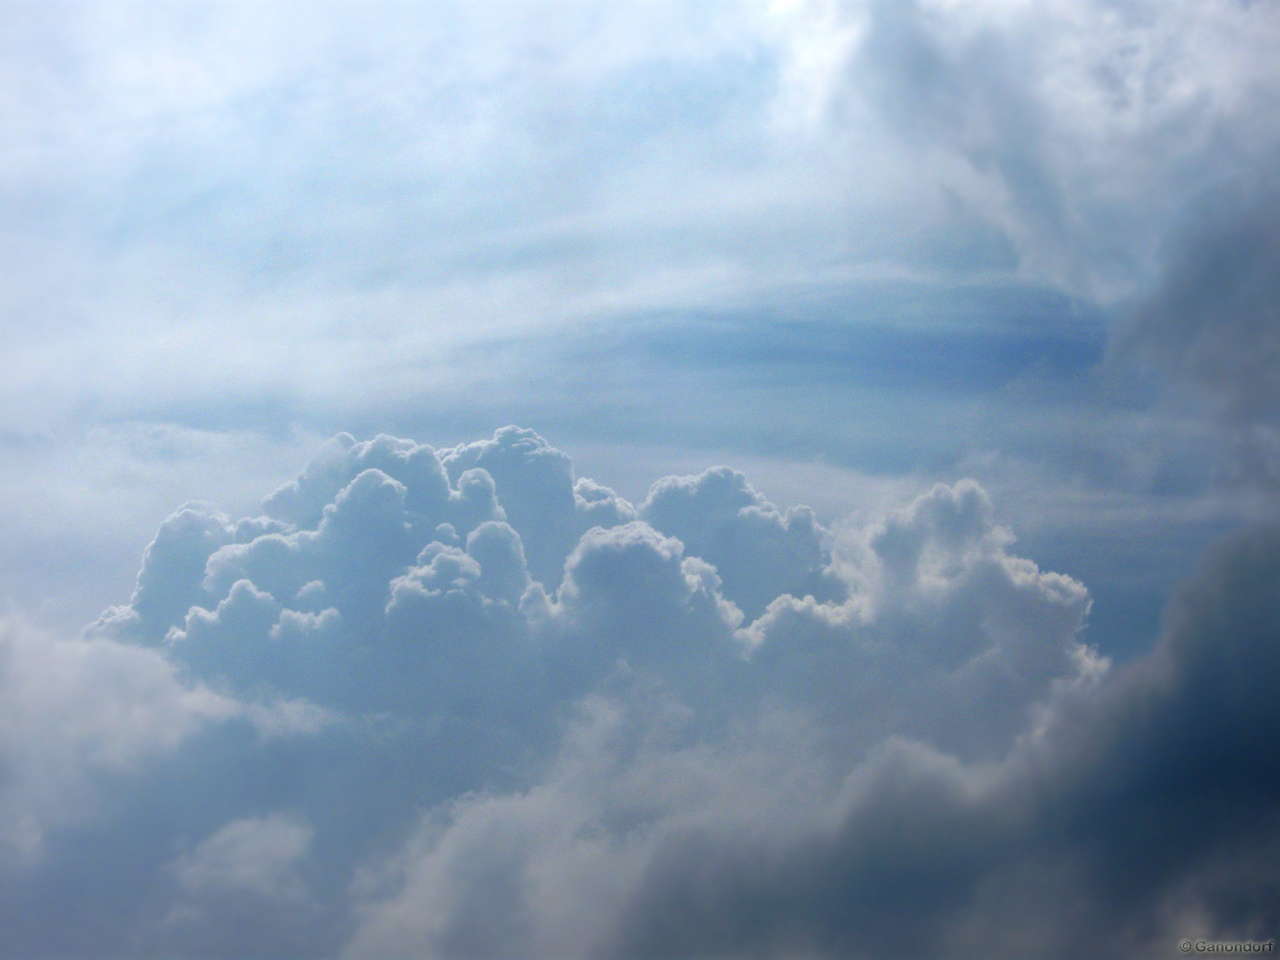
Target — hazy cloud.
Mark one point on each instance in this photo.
(1213, 323)
(73, 711)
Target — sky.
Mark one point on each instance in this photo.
(719, 479)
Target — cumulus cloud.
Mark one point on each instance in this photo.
(885, 737)
(1106, 834)
(950, 636)
(1134, 816)
(759, 552)
(412, 588)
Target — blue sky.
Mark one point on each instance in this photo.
(977, 298)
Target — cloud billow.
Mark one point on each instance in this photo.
(462, 703)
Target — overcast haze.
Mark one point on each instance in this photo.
(639, 479)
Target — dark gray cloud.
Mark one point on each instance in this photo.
(1212, 323)
(1137, 817)
(1214, 320)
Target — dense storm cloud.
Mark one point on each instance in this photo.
(374, 730)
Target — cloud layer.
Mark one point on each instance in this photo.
(461, 703)
(308, 180)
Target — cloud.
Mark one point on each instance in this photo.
(560, 164)
(1081, 131)
(1211, 321)
(253, 856)
(1107, 834)
(74, 712)
(543, 871)
(720, 518)
(1135, 816)
(419, 747)
(392, 577)
(245, 883)
(1215, 319)
(946, 636)
(460, 701)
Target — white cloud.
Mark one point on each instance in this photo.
(946, 636)
(247, 882)
(759, 551)
(407, 575)
(254, 856)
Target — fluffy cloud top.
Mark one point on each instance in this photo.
(699, 726)
(388, 576)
